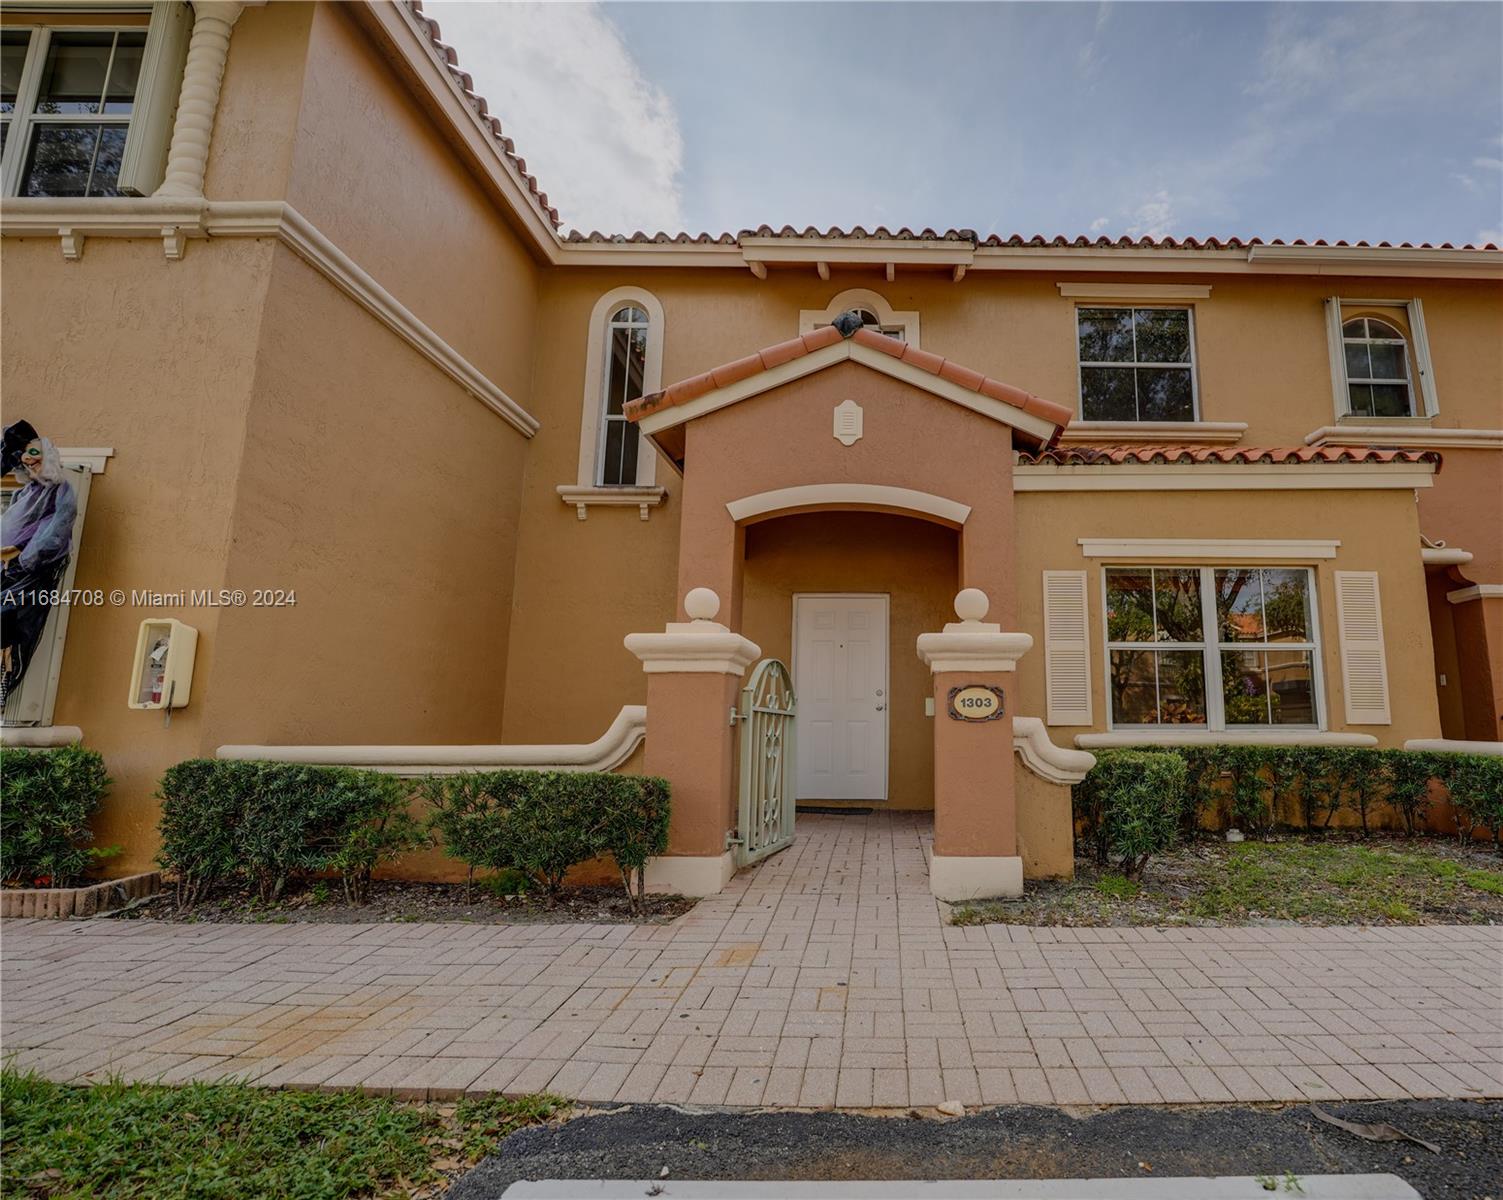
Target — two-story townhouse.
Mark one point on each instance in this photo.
(281, 289)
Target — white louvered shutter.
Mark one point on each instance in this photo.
(1364, 666)
(1067, 648)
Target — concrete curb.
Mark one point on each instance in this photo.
(1224, 1187)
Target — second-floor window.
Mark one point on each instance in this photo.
(67, 100)
(1136, 364)
(1377, 369)
(625, 369)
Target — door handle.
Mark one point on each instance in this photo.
(881, 707)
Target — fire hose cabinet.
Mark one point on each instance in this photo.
(163, 670)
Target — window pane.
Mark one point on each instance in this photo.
(1163, 335)
(1182, 687)
(73, 78)
(1286, 605)
(628, 361)
(13, 46)
(74, 160)
(1354, 329)
(125, 72)
(1133, 692)
(1361, 399)
(1105, 334)
(1358, 365)
(622, 440)
(1387, 360)
(1106, 394)
(1243, 686)
(1291, 687)
(630, 316)
(1165, 394)
(1176, 594)
(1239, 604)
(1129, 605)
(1390, 400)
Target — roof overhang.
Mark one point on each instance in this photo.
(666, 426)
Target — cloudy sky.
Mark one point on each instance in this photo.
(1379, 121)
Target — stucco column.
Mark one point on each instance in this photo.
(188, 155)
(694, 670)
(1477, 613)
(975, 804)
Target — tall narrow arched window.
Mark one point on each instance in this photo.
(625, 375)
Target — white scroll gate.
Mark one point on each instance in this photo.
(768, 763)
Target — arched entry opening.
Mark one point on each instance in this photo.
(841, 597)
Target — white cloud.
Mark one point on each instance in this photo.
(1153, 218)
(602, 140)
(1100, 223)
(1090, 57)
(1488, 164)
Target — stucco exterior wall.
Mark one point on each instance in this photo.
(161, 516)
(1378, 531)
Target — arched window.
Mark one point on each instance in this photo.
(623, 361)
(1377, 369)
(625, 374)
(874, 310)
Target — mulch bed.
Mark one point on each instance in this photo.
(397, 901)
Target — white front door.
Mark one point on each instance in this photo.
(840, 677)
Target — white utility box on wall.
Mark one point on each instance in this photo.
(164, 664)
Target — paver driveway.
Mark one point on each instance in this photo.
(825, 976)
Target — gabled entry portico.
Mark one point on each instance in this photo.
(835, 424)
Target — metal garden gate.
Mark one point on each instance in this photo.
(768, 762)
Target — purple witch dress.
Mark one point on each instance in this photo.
(39, 521)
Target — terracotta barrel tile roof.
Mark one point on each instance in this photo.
(774, 356)
(1096, 456)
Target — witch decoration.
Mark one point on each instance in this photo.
(36, 534)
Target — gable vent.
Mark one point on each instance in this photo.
(1364, 666)
(1067, 648)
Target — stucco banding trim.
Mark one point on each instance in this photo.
(1478, 591)
(1206, 737)
(1449, 746)
(40, 737)
(1037, 752)
(1231, 549)
(861, 495)
(605, 753)
(1410, 435)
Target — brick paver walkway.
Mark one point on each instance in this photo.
(824, 977)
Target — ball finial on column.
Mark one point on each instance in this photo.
(701, 604)
(971, 604)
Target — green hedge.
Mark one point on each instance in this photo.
(1130, 805)
(544, 822)
(47, 798)
(272, 822)
(1249, 787)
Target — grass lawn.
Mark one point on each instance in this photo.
(1329, 881)
(234, 1142)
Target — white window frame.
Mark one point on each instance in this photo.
(1211, 648)
(897, 323)
(1193, 366)
(149, 123)
(1399, 338)
(1422, 399)
(597, 380)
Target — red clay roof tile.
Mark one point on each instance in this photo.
(959, 375)
(1095, 456)
(776, 356)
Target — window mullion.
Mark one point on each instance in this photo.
(26, 100)
(1215, 696)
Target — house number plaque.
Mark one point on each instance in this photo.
(975, 702)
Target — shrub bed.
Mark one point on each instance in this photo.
(543, 823)
(47, 799)
(273, 822)
(1258, 788)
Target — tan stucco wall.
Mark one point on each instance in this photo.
(161, 515)
(913, 562)
(1378, 532)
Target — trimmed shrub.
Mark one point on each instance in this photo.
(47, 798)
(273, 822)
(1409, 776)
(1130, 805)
(544, 822)
(1475, 782)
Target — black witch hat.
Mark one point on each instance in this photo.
(17, 437)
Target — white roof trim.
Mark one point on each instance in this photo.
(1222, 477)
(868, 494)
(1208, 549)
(1406, 436)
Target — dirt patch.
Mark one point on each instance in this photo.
(1330, 880)
(395, 901)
